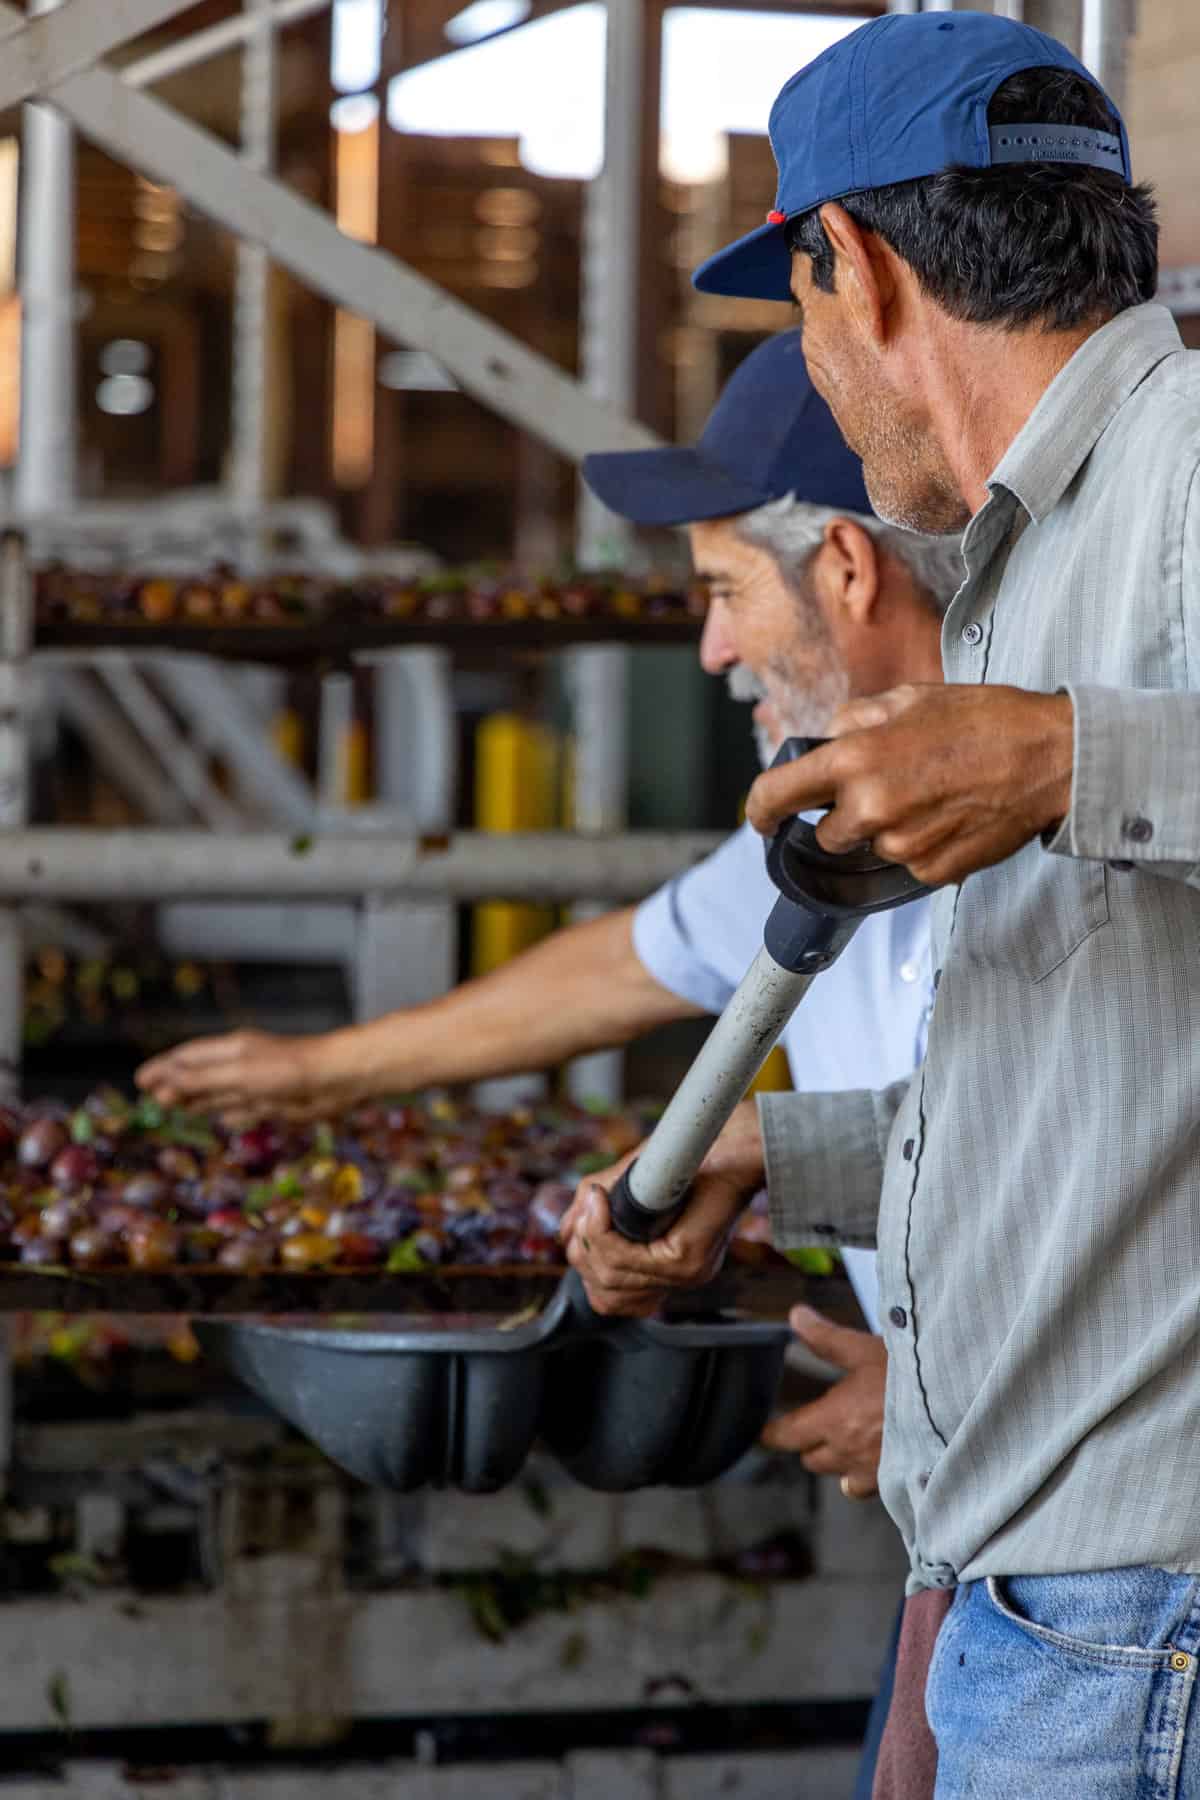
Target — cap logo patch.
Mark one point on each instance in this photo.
(776, 218)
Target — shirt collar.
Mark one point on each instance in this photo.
(1080, 404)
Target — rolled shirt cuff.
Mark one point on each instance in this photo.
(1135, 795)
(824, 1158)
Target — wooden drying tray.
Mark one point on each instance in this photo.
(337, 644)
(765, 1289)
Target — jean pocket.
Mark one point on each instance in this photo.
(1099, 1655)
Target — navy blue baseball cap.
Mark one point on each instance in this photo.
(769, 434)
(902, 97)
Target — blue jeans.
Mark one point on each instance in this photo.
(1069, 1687)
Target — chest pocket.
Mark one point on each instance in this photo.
(1029, 915)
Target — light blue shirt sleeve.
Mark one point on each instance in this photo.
(699, 934)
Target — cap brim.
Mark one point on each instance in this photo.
(667, 487)
(756, 267)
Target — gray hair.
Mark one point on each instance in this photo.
(792, 530)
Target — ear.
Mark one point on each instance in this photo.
(848, 571)
(864, 268)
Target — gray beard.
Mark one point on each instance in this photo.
(806, 713)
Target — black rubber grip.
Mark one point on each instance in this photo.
(637, 1222)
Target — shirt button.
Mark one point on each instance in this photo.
(972, 634)
(899, 1317)
(1137, 830)
(923, 1479)
(909, 971)
(910, 1145)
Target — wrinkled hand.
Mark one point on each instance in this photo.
(240, 1075)
(945, 780)
(842, 1432)
(632, 1280)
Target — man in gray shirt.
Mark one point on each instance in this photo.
(958, 224)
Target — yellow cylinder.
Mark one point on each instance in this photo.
(516, 789)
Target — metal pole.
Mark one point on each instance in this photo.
(68, 863)
(252, 287)
(46, 464)
(16, 637)
(36, 53)
(201, 46)
(598, 679)
(1108, 26)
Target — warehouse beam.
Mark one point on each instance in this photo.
(60, 863)
(37, 53)
(496, 367)
(201, 46)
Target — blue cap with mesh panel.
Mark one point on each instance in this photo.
(900, 98)
(769, 434)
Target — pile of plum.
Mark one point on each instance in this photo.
(72, 596)
(404, 1187)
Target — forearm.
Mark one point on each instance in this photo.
(582, 989)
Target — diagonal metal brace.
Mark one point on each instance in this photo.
(488, 362)
(36, 54)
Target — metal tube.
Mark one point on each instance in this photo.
(1108, 26)
(115, 746)
(186, 766)
(733, 1053)
(46, 473)
(40, 51)
(202, 45)
(16, 638)
(65, 863)
(260, 91)
(598, 679)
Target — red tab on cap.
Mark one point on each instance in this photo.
(776, 218)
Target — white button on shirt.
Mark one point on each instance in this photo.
(863, 1024)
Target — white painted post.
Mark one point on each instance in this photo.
(46, 463)
(1108, 26)
(599, 678)
(252, 288)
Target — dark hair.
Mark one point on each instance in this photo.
(1051, 244)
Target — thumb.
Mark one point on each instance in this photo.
(842, 1345)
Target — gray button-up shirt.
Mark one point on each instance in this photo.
(1039, 1225)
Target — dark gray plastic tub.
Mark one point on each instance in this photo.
(622, 1404)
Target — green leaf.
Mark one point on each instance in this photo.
(593, 1162)
(82, 1128)
(288, 1187)
(189, 1134)
(599, 1109)
(538, 1496)
(485, 1608)
(58, 1694)
(148, 1115)
(405, 1258)
(73, 1567)
(324, 1141)
(258, 1195)
(812, 1261)
(302, 843)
